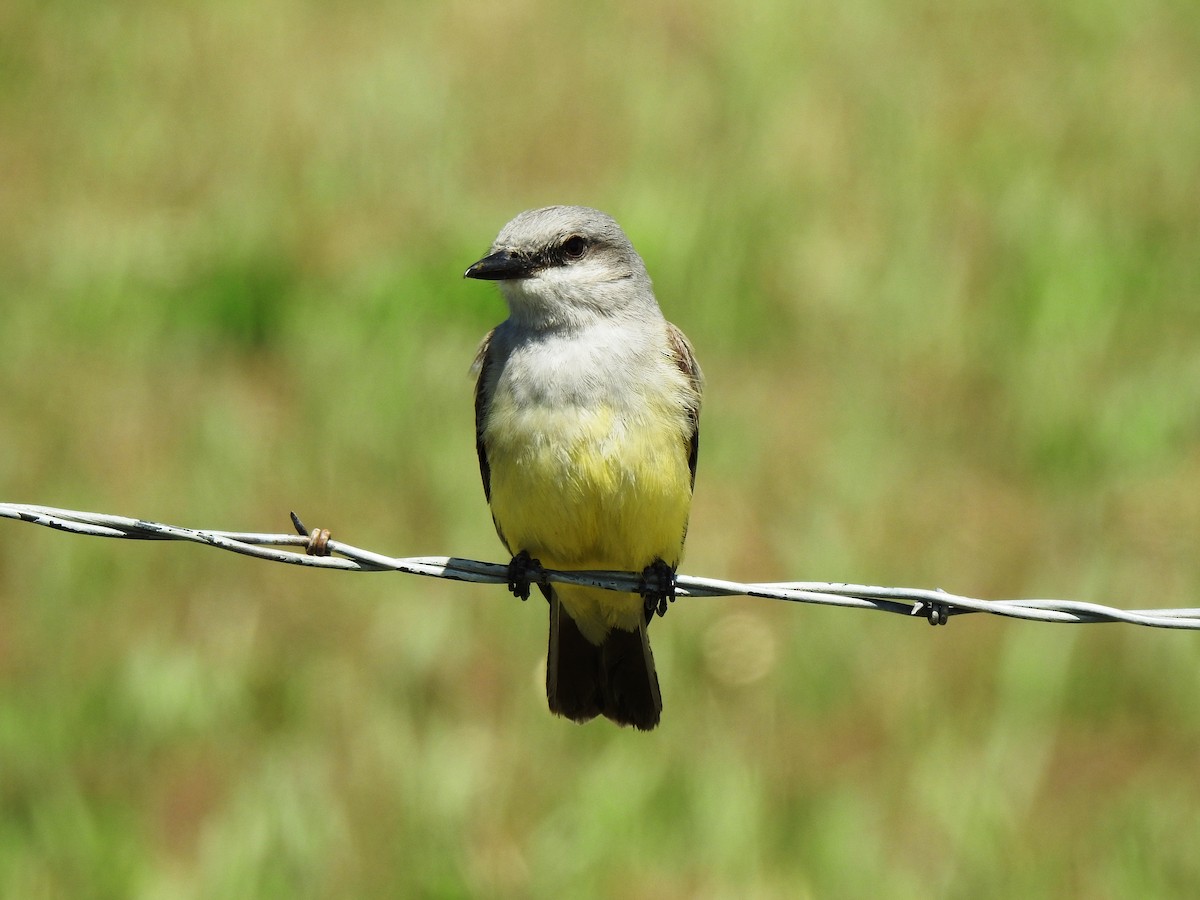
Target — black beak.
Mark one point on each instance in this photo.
(500, 266)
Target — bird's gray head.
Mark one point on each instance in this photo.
(567, 265)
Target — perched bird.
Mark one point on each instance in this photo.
(587, 408)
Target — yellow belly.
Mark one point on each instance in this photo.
(590, 489)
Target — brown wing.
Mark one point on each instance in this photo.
(684, 357)
(480, 366)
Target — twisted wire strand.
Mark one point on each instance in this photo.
(935, 605)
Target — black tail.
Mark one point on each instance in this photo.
(615, 679)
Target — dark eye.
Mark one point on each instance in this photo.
(575, 246)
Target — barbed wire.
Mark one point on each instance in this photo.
(318, 550)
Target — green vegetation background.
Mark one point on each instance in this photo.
(940, 263)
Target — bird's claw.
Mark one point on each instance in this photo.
(657, 588)
(524, 571)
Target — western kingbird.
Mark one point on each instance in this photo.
(587, 408)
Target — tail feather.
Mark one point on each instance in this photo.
(615, 678)
(631, 694)
(572, 667)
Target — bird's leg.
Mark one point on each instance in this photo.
(657, 587)
(524, 571)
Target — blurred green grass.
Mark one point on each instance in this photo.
(940, 267)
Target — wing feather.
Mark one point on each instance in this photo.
(481, 366)
(685, 358)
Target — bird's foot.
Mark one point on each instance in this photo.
(524, 571)
(657, 588)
